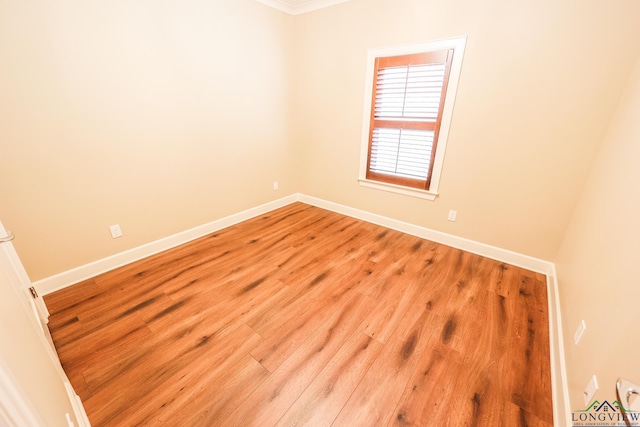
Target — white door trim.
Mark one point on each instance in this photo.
(15, 409)
(18, 278)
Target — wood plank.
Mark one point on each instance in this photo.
(382, 385)
(321, 402)
(146, 379)
(304, 316)
(428, 397)
(269, 402)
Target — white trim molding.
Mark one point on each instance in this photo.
(15, 408)
(398, 189)
(498, 254)
(93, 269)
(297, 8)
(558, 371)
(559, 381)
(559, 386)
(78, 408)
(456, 43)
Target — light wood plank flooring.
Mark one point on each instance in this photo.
(307, 317)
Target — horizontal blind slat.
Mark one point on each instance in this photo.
(409, 92)
(405, 116)
(401, 152)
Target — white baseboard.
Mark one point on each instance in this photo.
(78, 407)
(558, 372)
(87, 271)
(498, 254)
(559, 381)
(560, 390)
(93, 269)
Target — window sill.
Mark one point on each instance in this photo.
(398, 189)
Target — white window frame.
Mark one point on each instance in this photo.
(457, 43)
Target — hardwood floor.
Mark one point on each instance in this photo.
(307, 317)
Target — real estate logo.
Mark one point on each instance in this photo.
(605, 414)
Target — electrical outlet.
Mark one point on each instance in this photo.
(275, 185)
(452, 215)
(115, 231)
(578, 335)
(591, 389)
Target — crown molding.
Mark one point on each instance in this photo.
(308, 6)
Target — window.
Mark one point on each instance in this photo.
(410, 93)
(406, 113)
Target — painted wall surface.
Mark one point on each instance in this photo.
(598, 266)
(165, 116)
(23, 354)
(158, 116)
(162, 116)
(539, 83)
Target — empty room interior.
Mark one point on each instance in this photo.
(199, 229)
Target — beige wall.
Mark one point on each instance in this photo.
(162, 116)
(23, 354)
(598, 266)
(159, 116)
(165, 116)
(539, 82)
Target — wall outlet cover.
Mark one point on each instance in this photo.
(578, 335)
(115, 231)
(590, 391)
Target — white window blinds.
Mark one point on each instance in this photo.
(401, 152)
(406, 113)
(410, 92)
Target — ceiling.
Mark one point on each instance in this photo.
(297, 7)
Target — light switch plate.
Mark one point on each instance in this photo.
(578, 335)
(591, 389)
